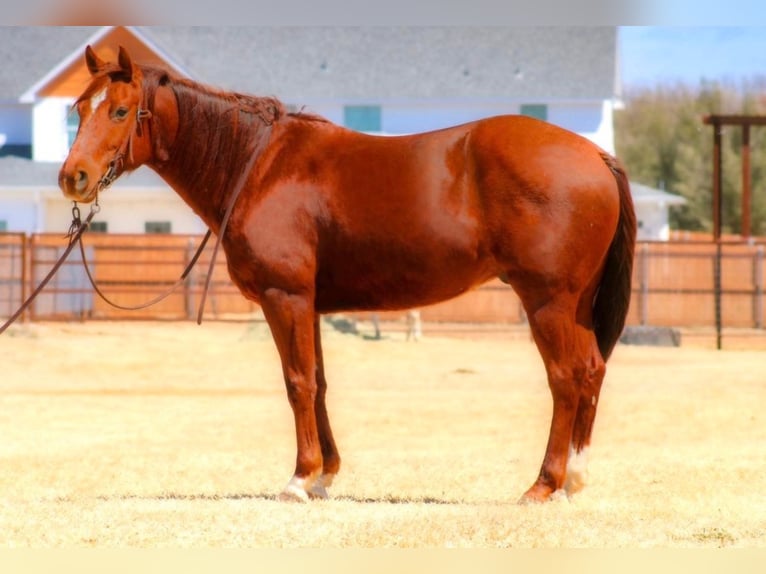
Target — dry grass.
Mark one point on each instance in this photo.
(173, 435)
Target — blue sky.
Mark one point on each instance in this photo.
(667, 54)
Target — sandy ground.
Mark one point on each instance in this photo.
(132, 434)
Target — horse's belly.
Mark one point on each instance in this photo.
(387, 289)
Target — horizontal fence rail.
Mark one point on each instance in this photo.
(673, 283)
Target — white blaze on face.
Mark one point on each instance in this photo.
(96, 100)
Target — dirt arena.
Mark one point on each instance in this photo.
(132, 434)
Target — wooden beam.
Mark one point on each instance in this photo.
(717, 180)
(734, 120)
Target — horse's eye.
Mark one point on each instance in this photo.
(121, 113)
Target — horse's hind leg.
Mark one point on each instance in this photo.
(330, 457)
(590, 389)
(573, 372)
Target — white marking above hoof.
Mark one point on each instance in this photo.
(295, 491)
(559, 494)
(293, 494)
(318, 492)
(577, 470)
(319, 488)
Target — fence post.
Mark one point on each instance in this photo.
(717, 262)
(26, 280)
(189, 281)
(758, 288)
(32, 273)
(25, 238)
(644, 284)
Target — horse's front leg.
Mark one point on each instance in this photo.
(291, 318)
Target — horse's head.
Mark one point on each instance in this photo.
(110, 139)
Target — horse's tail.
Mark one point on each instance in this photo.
(610, 307)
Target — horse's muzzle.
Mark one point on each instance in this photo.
(77, 184)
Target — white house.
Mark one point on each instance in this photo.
(652, 210)
(376, 79)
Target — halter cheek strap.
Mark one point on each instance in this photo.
(141, 114)
(111, 173)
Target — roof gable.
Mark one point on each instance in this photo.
(646, 194)
(70, 77)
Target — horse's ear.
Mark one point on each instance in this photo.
(94, 63)
(126, 64)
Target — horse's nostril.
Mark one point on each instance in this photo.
(81, 181)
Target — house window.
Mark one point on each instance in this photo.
(362, 118)
(72, 123)
(539, 111)
(157, 227)
(97, 226)
(20, 150)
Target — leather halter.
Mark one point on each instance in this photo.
(112, 173)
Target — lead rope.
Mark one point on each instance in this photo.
(156, 299)
(75, 233)
(224, 222)
(76, 230)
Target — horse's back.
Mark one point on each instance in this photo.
(535, 152)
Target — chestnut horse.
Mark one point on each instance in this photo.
(329, 219)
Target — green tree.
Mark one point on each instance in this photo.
(662, 140)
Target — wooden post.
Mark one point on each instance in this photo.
(717, 200)
(717, 217)
(32, 273)
(189, 281)
(644, 285)
(758, 288)
(746, 179)
(25, 280)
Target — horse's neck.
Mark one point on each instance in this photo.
(192, 172)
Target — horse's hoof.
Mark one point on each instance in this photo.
(319, 488)
(539, 496)
(295, 491)
(536, 494)
(527, 500)
(318, 491)
(293, 494)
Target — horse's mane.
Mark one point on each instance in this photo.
(218, 131)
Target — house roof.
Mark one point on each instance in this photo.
(645, 194)
(323, 62)
(70, 76)
(316, 62)
(28, 53)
